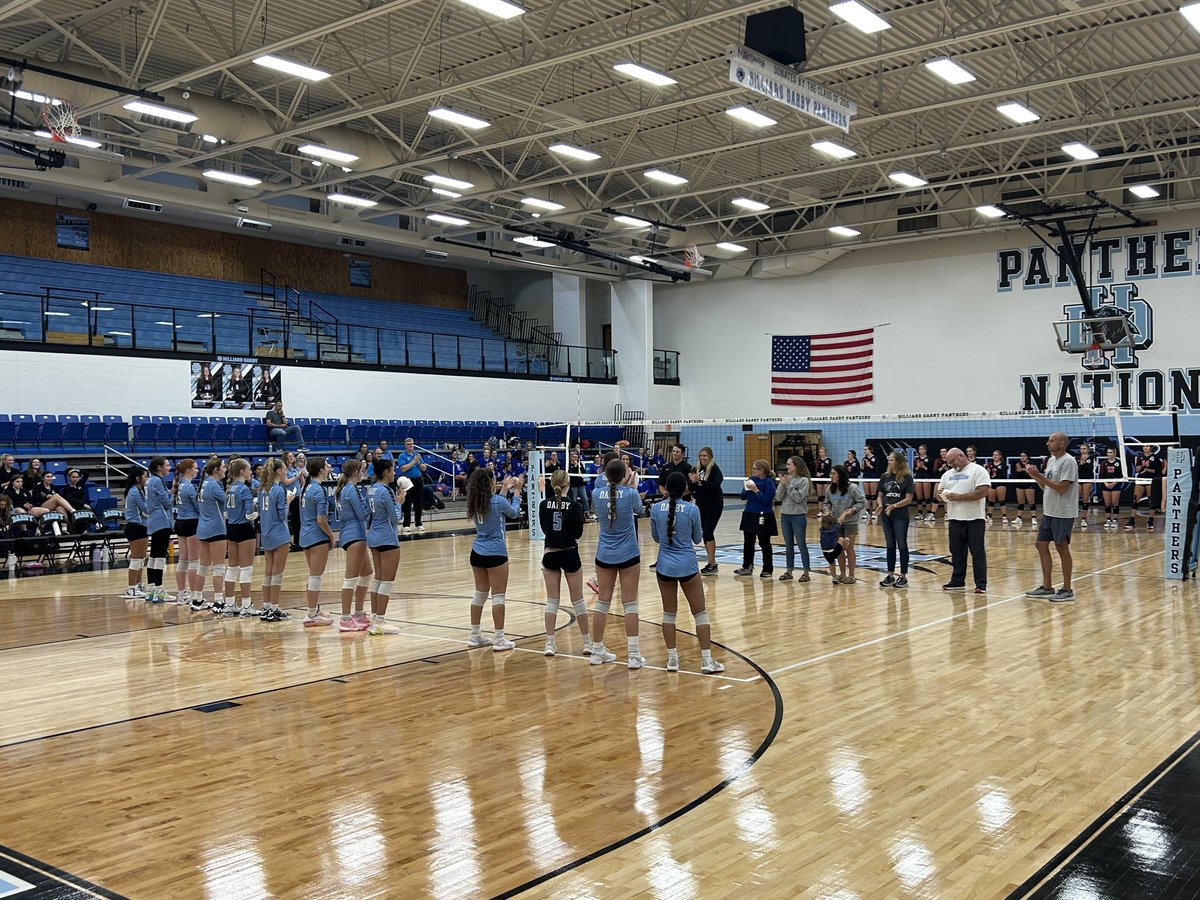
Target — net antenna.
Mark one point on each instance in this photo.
(60, 120)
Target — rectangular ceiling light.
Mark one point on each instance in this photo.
(36, 98)
(446, 220)
(231, 178)
(1143, 190)
(532, 241)
(844, 231)
(665, 177)
(458, 118)
(59, 314)
(209, 138)
(287, 67)
(169, 324)
(948, 70)
(351, 200)
(1018, 112)
(991, 212)
(442, 180)
(750, 116)
(829, 148)
(574, 152)
(442, 192)
(1191, 12)
(753, 205)
(542, 204)
(72, 139)
(731, 247)
(501, 9)
(337, 156)
(1080, 151)
(907, 179)
(163, 112)
(632, 221)
(641, 73)
(861, 17)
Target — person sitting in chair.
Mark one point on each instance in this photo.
(281, 429)
(22, 500)
(44, 495)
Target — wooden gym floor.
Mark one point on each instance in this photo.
(860, 744)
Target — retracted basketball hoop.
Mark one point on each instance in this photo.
(1093, 336)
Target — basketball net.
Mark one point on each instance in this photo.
(691, 256)
(60, 120)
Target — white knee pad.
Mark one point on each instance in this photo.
(349, 584)
(580, 606)
(273, 580)
(246, 575)
(479, 598)
(365, 580)
(630, 608)
(385, 588)
(668, 618)
(552, 606)
(136, 564)
(602, 607)
(218, 571)
(314, 582)
(204, 571)
(701, 617)
(189, 565)
(497, 599)
(158, 562)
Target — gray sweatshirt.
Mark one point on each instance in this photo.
(839, 503)
(795, 496)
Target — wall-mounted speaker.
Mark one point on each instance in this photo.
(778, 34)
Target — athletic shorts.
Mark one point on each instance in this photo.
(848, 529)
(135, 532)
(486, 562)
(323, 542)
(678, 579)
(241, 531)
(627, 564)
(186, 527)
(351, 543)
(564, 560)
(386, 547)
(1056, 529)
(214, 539)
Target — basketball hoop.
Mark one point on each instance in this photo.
(691, 256)
(60, 120)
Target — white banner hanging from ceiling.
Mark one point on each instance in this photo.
(755, 72)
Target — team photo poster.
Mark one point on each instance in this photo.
(235, 384)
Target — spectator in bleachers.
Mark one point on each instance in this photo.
(363, 454)
(472, 462)
(678, 464)
(239, 390)
(75, 490)
(552, 463)
(8, 470)
(208, 385)
(410, 465)
(33, 473)
(281, 429)
(6, 543)
(44, 495)
(459, 471)
(268, 387)
(292, 485)
(384, 452)
(577, 492)
(22, 500)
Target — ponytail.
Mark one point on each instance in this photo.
(183, 466)
(560, 481)
(614, 471)
(671, 520)
(214, 463)
(676, 485)
(350, 468)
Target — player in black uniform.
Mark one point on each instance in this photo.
(562, 523)
(997, 469)
(1087, 487)
(1026, 494)
(870, 474)
(1108, 471)
(822, 466)
(922, 469)
(1148, 464)
(938, 468)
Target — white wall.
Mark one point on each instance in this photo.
(58, 383)
(947, 339)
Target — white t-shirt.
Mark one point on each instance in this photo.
(971, 477)
(1066, 504)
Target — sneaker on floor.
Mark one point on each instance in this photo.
(951, 586)
(901, 582)
(1063, 595)
(988, 520)
(1149, 527)
(503, 644)
(321, 618)
(1004, 520)
(636, 661)
(551, 647)
(1041, 592)
(382, 627)
(197, 604)
(1033, 521)
(1083, 523)
(849, 579)
(712, 667)
(708, 570)
(249, 612)
(593, 584)
(981, 588)
(672, 661)
(587, 646)
(744, 570)
(268, 615)
(281, 615)
(132, 593)
(929, 518)
(217, 609)
(786, 576)
(888, 581)
(1016, 522)
(479, 640)
(232, 609)
(601, 654)
(182, 598)
(1129, 528)
(352, 625)
(420, 529)
(405, 530)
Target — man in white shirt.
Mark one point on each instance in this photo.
(963, 488)
(1060, 504)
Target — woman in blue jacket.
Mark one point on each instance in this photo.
(758, 519)
(136, 515)
(675, 526)
(351, 504)
(487, 511)
(158, 499)
(383, 508)
(617, 507)
(275, 537)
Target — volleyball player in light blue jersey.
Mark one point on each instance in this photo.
(384, 512)
(240, 512)
(136, 515)
(274, 536)
(675, 525)
(487, 511)
(617, 506)
(158, 499)
(187, 518)
(211, 532)
(316, 538)
(352, 538)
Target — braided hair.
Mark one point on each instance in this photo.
(614, 471)
(676, 485)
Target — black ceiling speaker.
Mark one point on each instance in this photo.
(778, 34)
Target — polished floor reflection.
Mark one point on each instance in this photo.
(860, 743)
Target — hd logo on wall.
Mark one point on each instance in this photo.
(1119, 300)
(234, 383)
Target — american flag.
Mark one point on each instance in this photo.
(822, 369)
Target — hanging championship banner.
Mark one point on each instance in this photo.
(755, 72)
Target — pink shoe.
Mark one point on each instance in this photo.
(353, 625)
(321, 618)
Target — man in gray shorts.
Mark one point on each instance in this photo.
(1060, 504)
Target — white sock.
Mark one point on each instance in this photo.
(499, 634)
(475, 629)
(706, 655)
(218, 599)
(312, 611)
(633, 646)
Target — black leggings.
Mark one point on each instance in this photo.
(294, 521)
(159, 541)
(413, 501)
(764, 541)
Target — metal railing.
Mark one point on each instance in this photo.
(109, 468)
(52, 319)
(666, 366)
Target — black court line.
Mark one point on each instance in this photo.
(1100, 854)
(49, 882)
(687, 807)
(80, 637)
